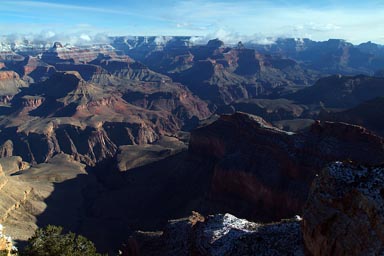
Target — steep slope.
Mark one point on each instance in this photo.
(27, 195)
(239, 164)
(261, 172)
(341, 91)
(10, 84)
(32, 69)
(89, 120)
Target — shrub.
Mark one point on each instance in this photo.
(51, 241)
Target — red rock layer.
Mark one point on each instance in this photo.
(264, 173)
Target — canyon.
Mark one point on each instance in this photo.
(121, 142)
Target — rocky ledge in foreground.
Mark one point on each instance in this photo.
(221, 234)
(343, 216)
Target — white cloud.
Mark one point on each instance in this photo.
(182, 25)
(81, 38)
(275, 19)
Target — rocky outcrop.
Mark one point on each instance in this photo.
(344, 212)
(32, 102)
(343, 216)
(6, 148)
(6, 244)
(10, 84)
(221, 234)
(8, 75)
(263, 173)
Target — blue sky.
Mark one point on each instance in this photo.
(355, 21)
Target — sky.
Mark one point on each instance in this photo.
(259, 20)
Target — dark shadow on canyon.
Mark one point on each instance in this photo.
(107, 206)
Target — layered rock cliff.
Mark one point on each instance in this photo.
(90, 121)
(261, 172)
(73, 54)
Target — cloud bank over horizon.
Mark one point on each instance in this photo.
(78, 38)
(230, 21)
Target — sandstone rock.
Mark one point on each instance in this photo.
(6, 149)
(344, 214)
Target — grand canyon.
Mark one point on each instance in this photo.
(161, 145)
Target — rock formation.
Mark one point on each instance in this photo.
(90, 121)
(10, 84)
(263, 173)
(73, 54)
(344, 213)
(215, 235)
(66, 106)
(343, 216)
(6, 244)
